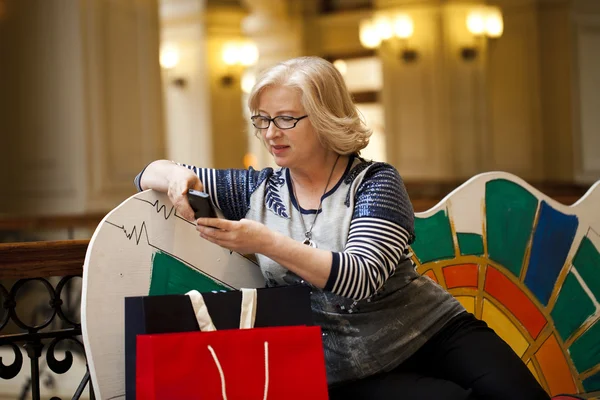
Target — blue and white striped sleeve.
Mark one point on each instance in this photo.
(230, 189)
(382, 227)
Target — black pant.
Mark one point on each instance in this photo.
(465, 360)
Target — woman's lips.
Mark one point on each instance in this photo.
(279, 149)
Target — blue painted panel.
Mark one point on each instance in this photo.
(552, 240)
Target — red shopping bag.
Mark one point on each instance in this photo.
(280, 363)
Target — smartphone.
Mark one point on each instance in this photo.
(200, 203)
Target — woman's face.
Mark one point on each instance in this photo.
(290, 147)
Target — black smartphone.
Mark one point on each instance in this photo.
(200, 203)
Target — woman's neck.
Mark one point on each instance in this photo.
(311, 181)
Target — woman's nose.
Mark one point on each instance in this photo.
(272, 131)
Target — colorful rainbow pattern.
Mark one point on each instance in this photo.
(528, 266)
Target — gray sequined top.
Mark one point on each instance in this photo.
(375, 310)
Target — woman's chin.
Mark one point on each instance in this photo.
(280, 161)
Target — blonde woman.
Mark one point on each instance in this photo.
(330, 219)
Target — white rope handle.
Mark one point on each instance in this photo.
(266, 392)
(222, 374)
(201, 311)
(247, 314)
(247, 318)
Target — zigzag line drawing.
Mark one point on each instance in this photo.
(143, 229)
(133, 232)
(158, 207)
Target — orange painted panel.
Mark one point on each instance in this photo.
(555, 368)
(460, 275)
(513, 298)
(431, 275)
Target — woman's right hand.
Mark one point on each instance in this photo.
(174, 180)
(177, 191)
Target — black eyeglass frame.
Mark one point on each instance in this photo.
(274, 120)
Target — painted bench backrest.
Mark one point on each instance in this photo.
(528, 266)
(143, 247)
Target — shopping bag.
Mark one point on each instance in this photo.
(284, 363)
(278, 306)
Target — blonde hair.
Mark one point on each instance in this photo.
(325, 99)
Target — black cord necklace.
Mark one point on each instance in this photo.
(308, 233)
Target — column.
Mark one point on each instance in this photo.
(186, 86)
(277, 32)
(80, 103)
(415, 98)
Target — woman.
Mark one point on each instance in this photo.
(328, 218)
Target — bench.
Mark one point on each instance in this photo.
(527, 265)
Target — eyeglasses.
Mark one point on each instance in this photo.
(281, 121)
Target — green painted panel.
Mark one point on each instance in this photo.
(510, 213)
(171, 276)
(434, 238)
(470, 244)
(587, 263)
(592, 383)
(572, 307)
(585, 351)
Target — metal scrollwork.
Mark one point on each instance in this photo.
(13, 296)
(6, 304)
(59, 302)
(10, 371)
(62, 366)
(58, 326)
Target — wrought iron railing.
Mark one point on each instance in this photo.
(55, 267)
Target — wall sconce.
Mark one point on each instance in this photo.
(169, 59)
(395, 29)
(237, 54)
(483, 22)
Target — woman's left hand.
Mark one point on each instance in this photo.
(243, 236)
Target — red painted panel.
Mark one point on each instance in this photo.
(513, 298)
(460, 275)
(431, 275)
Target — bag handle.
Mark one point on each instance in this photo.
(247, 318)
(247, 314)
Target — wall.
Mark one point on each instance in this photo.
(187, 107)
(556, 71)
(516, 107)
(81, 109)
(81, 105)
(205, 124)
(229, 127)
(514, 94)
(586, 89)
(41, 112)
(279, 29)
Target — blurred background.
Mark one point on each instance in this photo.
(93, 90)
